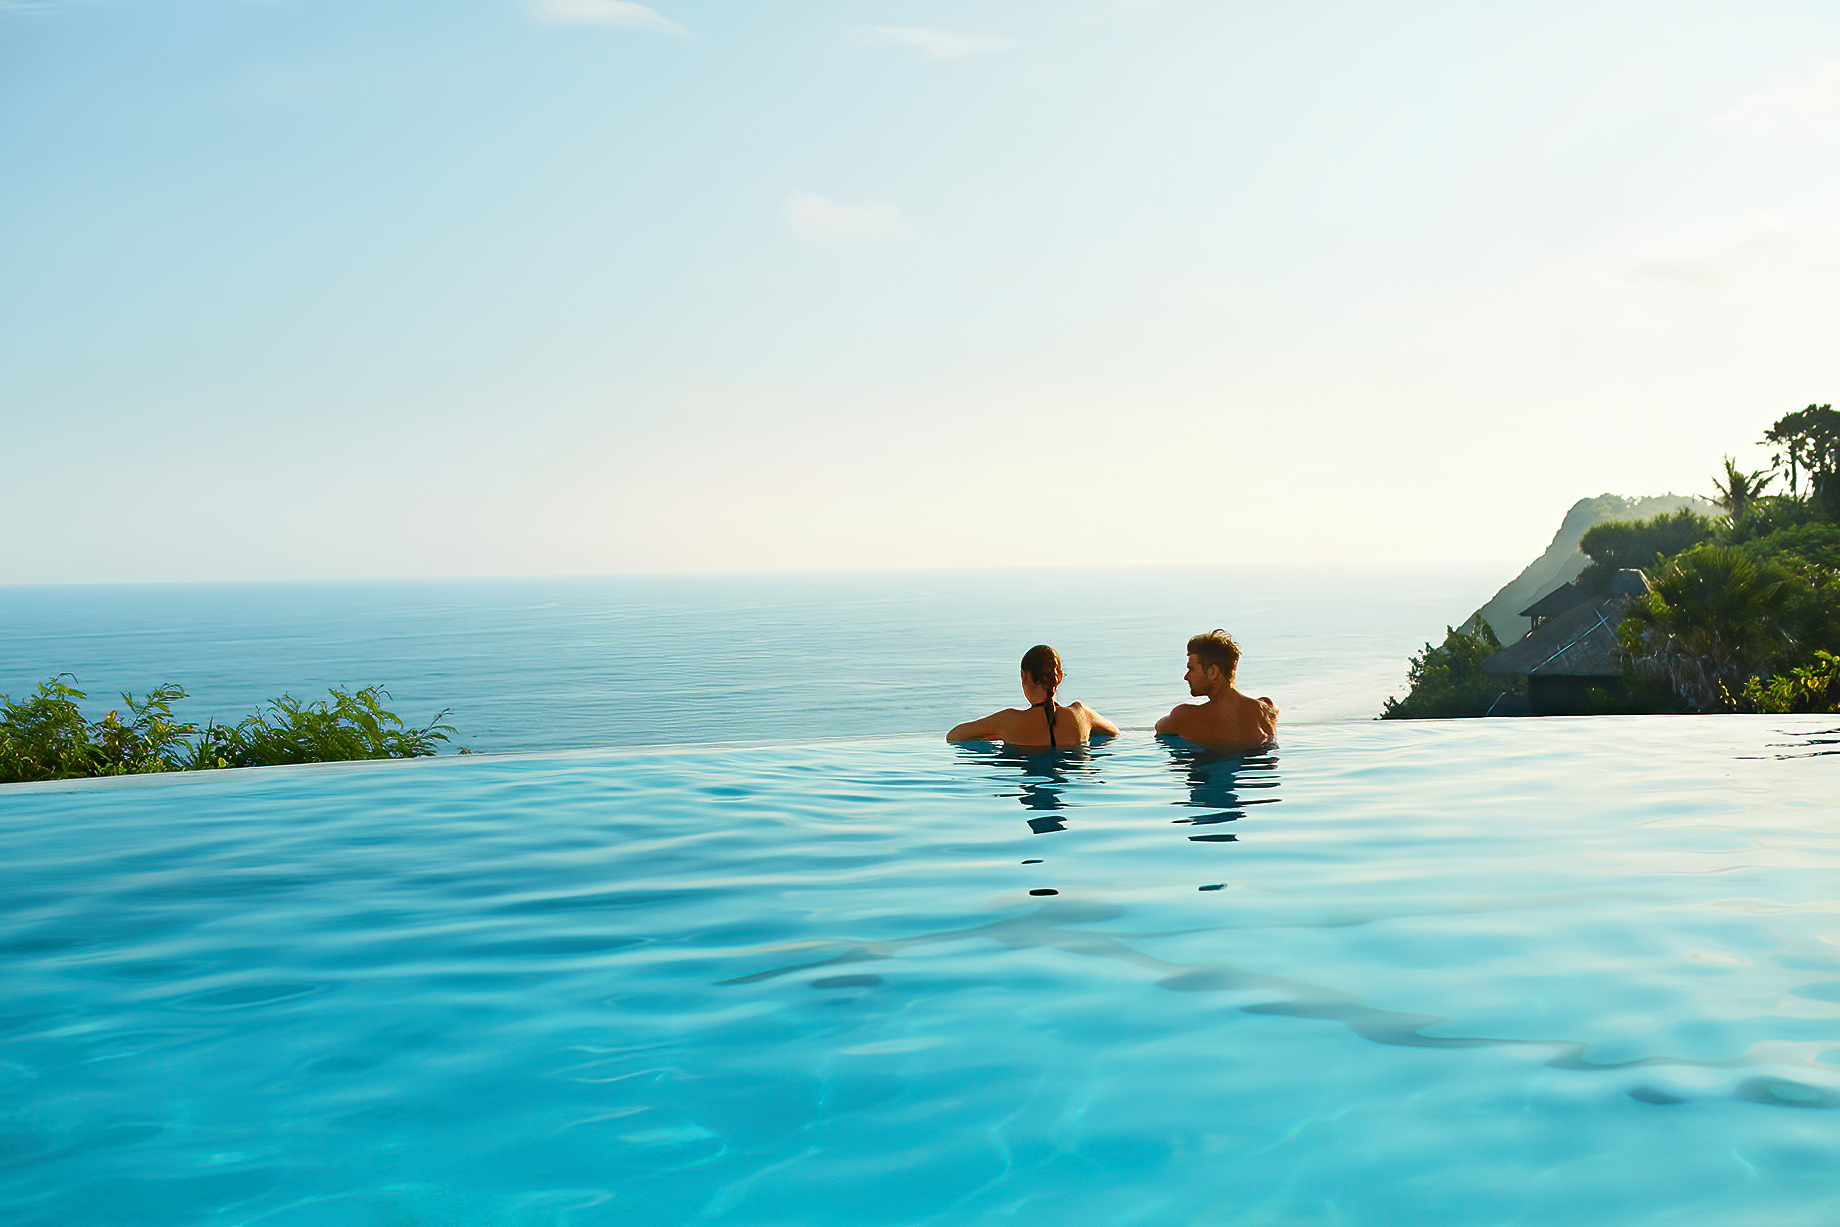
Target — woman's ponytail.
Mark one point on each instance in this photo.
(1042, 665)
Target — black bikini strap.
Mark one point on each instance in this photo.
(1047, 709)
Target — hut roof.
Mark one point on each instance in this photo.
(1581, 642)
(1557, 601)
(1627, 582)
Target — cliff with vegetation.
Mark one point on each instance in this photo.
(1563, 560)
(1742, 609)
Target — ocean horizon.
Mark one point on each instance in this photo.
(584, 661)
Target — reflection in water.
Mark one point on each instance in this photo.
(1218, 783)
(1060, 925)
(1046, 776)
(1813, 744)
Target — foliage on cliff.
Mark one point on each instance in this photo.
(1562, 560)
(1447, 681)
(1710, 622)
(1618, 544)
(1810, 443)
(1814, 687)
(46, 736)
(1743, 612)
(1750, 619)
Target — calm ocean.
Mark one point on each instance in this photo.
(529, 664)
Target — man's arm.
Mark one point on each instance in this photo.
(990, 728)
(1177, 722)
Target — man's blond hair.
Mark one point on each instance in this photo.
(1216, 648)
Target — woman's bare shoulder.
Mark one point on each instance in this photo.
(994, 727)
(1007, 718)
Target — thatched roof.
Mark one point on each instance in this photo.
(1581, 642)
(1557, 601)
(1627, 582)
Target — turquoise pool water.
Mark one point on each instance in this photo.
(1485, 972)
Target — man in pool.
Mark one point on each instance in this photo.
(1225, 719)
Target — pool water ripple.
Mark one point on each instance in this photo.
(1580, 971)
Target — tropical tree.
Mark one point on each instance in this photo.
(1739, 492)
(1711, 621)
(1810, 441)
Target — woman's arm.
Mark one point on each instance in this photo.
(990, 728)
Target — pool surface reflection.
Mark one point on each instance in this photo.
(1544, 971)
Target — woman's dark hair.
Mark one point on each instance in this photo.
(1042, 665)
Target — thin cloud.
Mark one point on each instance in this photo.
(620, 14)
(1790, 114)
(1720, 256)
(826, 221)
(939, 44)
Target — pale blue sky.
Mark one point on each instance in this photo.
(326, 288)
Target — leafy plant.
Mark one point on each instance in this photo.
(1815, 542)
(45, 736)
(1448, 681)
(1811, 688)
(1739, 492)
(1712, 620)
(1638, 543)
(1770, 513)
(345, 727)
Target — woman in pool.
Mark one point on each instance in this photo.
(1043, 722)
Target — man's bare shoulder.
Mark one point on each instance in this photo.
(1268, 717)
(1182, 719)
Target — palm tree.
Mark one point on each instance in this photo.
(1710, 621)
(1740, 490)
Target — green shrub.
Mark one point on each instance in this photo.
(1769, 515)
(1817, 542)
(46, 736)
(346, 727)
(1810, 688)
(1448, 681)
(1638, 543)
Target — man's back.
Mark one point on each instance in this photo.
(1227, 721)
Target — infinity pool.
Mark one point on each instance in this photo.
(1485, 972)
